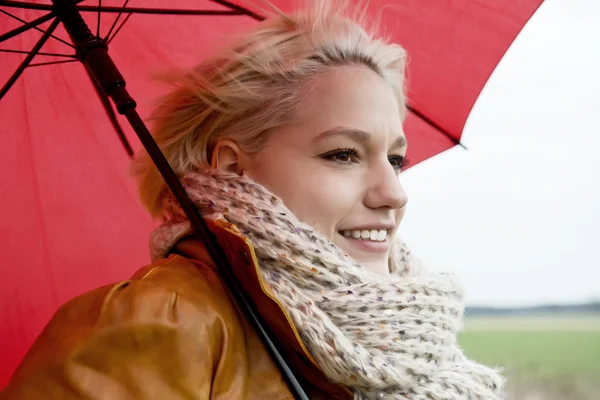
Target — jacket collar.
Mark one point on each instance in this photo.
(242, 259)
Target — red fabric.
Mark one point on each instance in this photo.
(69, 216)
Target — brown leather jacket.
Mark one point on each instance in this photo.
(172, 331)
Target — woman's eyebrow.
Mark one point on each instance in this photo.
(399, 142)
(356, 135)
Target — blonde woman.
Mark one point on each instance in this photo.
(290, 143)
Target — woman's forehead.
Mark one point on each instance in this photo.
(353, 101)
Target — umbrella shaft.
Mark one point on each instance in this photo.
(93, 53)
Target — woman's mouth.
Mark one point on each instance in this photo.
(370, 240)
(375, 235)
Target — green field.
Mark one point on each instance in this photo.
(545, 357)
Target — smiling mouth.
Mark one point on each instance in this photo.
(367, 241)
(372, 235)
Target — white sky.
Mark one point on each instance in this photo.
(517, 216)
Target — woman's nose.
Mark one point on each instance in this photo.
(385, 189)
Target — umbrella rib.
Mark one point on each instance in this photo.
(134, 10)
(119, 28)
(39, 53)
(30, 25)
(115, 21)
(434, 125)
(241, 9)
(111, 115)
(52, 63)
(156, 11)
(99, 13)
(30, 6)
(29, 57)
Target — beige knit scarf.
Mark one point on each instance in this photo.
(384, 337)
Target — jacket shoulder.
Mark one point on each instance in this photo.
(156, 335)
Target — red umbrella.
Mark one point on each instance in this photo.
(70, 220)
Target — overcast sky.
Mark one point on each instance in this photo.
(517, 216)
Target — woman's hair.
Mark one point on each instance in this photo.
(256, 85)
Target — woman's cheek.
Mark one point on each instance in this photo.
(335, 199)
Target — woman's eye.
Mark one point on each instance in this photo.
(399, 162)
(346, 156)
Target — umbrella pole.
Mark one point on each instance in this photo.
(92, 51)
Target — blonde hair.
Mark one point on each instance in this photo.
(255, 86)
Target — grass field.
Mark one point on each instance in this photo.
(545, 357)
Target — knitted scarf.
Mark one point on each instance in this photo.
(390, 337)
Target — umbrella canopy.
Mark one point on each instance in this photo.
(70, 220)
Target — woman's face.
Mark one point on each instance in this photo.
(337, 169)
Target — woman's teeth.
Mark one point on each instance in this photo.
(374, 234)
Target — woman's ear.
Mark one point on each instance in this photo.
(227, 156)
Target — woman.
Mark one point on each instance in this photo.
(290, 143)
